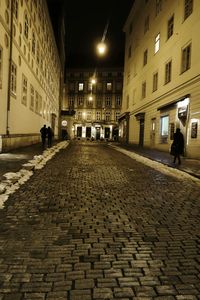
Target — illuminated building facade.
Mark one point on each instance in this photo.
(94, 105)
(30, 72)
(162, 75)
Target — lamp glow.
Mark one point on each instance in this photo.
(101, 48)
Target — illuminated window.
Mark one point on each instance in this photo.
(186, 58)
(170, 27)
(109, 86)
(157, 43)
(32, 97)
(13, 83)
(188, 8)
(164, 122)
(24, 90)
(168, 71)
(80, 87)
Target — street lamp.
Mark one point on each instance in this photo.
(102, 47)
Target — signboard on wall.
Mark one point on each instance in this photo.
(194, 126)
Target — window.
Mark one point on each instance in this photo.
(145, 56)
(170, 27)
(71, 87)
(168, 71)
(157, 43)
(99, 86)
(164, 126)
(155, 81)
(186, 58)
(143, 89)
(1, 66)
(80, 115)
(32, 100)
(24, 90)
(99, 102)
(98, 115)
(89, 115)
(118, 86)
(71, 101)
(15, 9)
(80, 86)
(107, 116)
(108, 101)
(117, 114)
(109, 86)
(13, 83)
(188, 8)
(146, 24)
(26, 25)
(129, 51)
(80, 101)
(127, 101)
(118, 101)
(158, 6)
(33, 43)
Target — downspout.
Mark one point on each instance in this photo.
(9, 68)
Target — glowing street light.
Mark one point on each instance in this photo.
(101, 48)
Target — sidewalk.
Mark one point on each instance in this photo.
(188, 165)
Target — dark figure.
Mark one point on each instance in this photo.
(43, 132)
(178, 145)
(49, 136)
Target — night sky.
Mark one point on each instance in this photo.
(85, 24)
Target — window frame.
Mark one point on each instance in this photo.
(168, 71)
(185, 60)
(170, 27)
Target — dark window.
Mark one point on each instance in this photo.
(170, 27)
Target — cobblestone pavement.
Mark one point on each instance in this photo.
(96, 224)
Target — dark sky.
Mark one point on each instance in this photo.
(85, 24)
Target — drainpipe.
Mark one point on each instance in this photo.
(9, 67)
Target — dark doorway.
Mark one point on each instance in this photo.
(97, 133)
(79, 131)
(107, 133)
(88, 132)
(141, 136)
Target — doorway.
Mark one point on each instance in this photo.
(141, 134)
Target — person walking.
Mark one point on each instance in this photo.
(177, 147)
(43, 132)
(49, 136)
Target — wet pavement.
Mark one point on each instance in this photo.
(96, 224)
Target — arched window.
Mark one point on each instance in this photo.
(26, 25)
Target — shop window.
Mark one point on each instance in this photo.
(164, 130)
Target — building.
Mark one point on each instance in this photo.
(30, 71)
(162, 75)
(93, 103)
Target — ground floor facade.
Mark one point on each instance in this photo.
(154, 124)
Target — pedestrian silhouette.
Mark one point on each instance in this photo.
(177, 147)
(43, 132)
(49, 136)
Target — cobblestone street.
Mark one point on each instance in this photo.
(96, 224)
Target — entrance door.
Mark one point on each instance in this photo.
(97, 133)
(79, 131)
(153, 132)
(88, 132)
(141, 135)
(107, 133)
